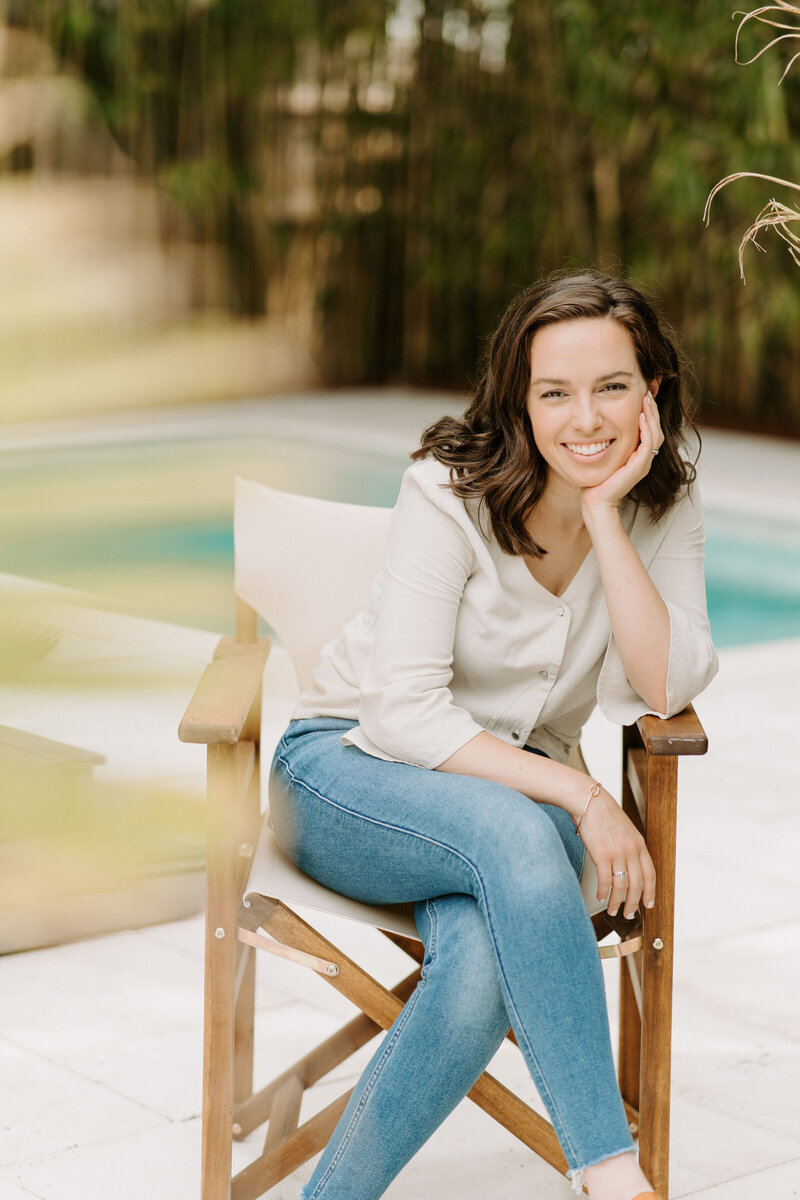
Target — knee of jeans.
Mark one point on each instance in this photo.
(460, 963)
(527, 848)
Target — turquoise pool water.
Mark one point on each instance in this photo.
(752, 571)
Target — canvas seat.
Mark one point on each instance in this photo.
(306, 566)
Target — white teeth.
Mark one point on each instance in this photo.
(591, 448)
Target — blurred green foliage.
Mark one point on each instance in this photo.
(403, 166)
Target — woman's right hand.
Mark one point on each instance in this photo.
(615, 845)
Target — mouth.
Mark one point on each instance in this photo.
(588, 451)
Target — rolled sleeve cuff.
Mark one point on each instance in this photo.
(693, 663)
(421, 750)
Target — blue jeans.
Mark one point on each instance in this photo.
(494, 878)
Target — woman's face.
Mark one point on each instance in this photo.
(585, 397)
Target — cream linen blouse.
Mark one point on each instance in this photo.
(457, 636)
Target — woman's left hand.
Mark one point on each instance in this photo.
(613, 490)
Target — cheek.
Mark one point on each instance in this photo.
(627, 420)
(544, 427)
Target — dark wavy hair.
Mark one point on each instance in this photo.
(491, 451)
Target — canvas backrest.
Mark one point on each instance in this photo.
(305, 565)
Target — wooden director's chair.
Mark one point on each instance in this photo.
(306, 566)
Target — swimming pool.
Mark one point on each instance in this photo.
(147, 522)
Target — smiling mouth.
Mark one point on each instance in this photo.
(588, 449)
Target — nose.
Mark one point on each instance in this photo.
(585, 416)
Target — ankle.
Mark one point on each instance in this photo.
(617, 1178)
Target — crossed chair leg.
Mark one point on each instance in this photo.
(288, 1145)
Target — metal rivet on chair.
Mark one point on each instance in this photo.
(634, 1128)
(658, 944)
(236, 1130)
(219, 933)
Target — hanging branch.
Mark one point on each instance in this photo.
(774, 215)
(757, 14)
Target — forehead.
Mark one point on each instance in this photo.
(599, 344)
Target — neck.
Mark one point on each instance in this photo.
(560, 504)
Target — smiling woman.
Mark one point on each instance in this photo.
(583, 420)
(403, 774)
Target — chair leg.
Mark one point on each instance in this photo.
(630, 1040)
(243, 1030)
(247, 827)
(662, 779)
(220, 967)
(315, 1065)
(630, 1020)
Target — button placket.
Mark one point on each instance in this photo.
(534, 690)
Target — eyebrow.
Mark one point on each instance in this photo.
(600, 378)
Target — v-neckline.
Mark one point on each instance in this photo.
(555, 595)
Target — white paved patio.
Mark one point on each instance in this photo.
(100, 1039)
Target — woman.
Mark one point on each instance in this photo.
(545, 554)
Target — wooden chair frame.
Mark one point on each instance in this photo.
(224, 714)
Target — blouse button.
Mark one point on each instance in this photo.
(543, 674)
(561, 612)
(515, 735)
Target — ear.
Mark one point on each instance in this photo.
(654, 386)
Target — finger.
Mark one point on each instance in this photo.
(619, 888)
(635, 881)
(654, 421)
(648, 880)
(603, 879)
(646, 441)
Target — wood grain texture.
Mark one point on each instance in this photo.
(633, 787)
(227, 692)
(518, 1118)
(246, 820)
(268, 1170)
(655, 1076)
(220, 969)
(410, 946)
(318, 1062)
(681, 734)
(284, 1113)
(381, 1005)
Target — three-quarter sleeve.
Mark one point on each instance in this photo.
(676, 568)
(406, 707)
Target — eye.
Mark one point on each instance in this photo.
(554, 395)
(623, 387)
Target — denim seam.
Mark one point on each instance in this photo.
(370, 1084)
(539, 1081)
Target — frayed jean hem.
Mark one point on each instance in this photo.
(576, 1175)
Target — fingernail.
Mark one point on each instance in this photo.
(614, 913)
(630, 916)
(650, 903)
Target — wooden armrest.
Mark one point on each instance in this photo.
(225, 694)
(681, 734)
